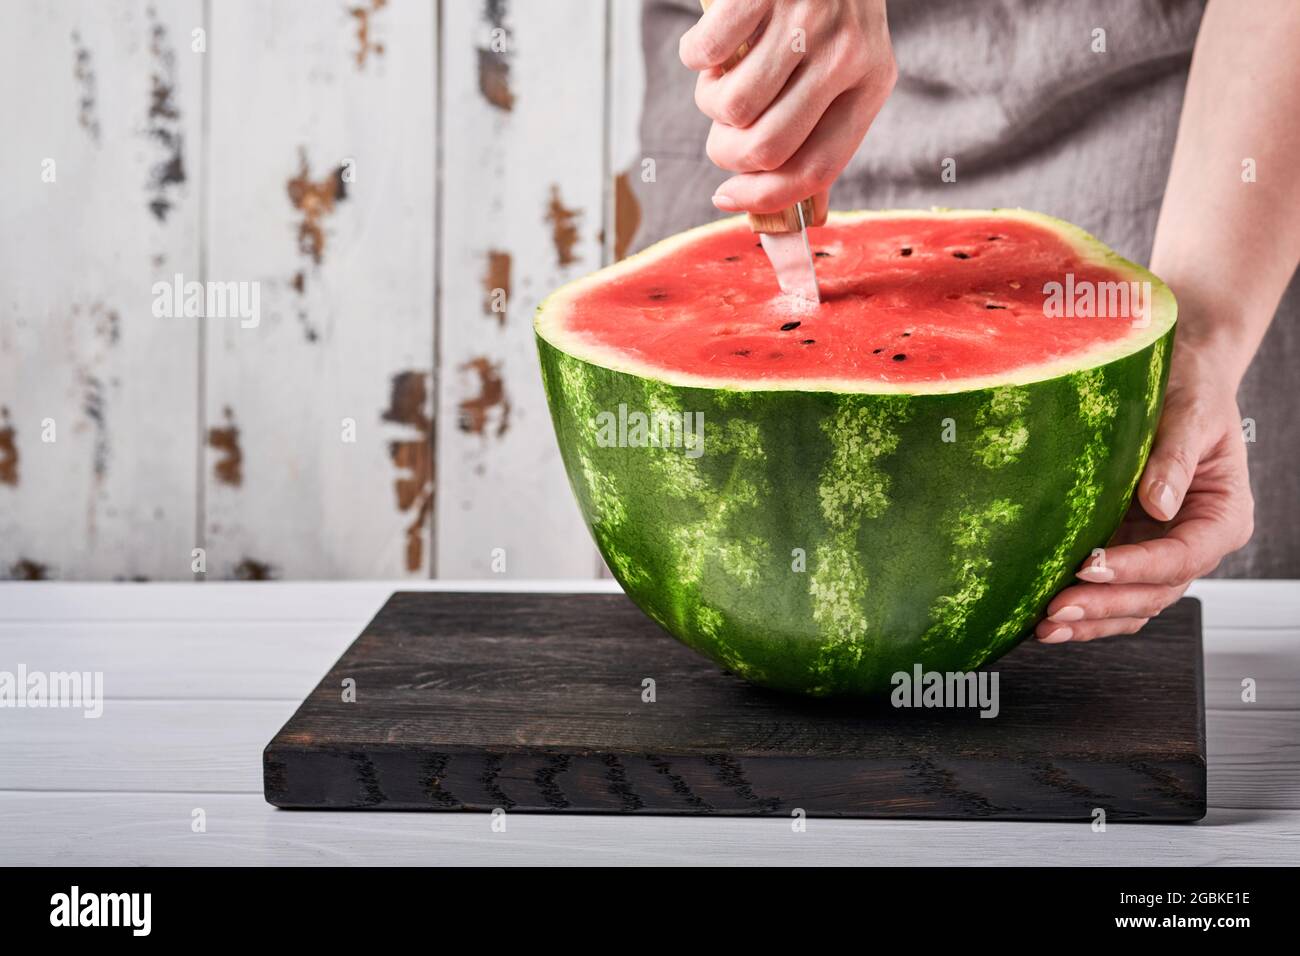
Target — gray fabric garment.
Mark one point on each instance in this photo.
(1012, 90)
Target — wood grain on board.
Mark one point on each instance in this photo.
(98, 399)
(535, 703)
(523, 175)
(321, 164)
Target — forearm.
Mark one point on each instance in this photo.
(1228, 247)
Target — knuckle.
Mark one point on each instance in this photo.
(764, 156)
(736, 110)
(1153, 605)
(818, 173)
(1182, 459)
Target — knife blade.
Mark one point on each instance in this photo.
(788, 249)
(784, 234)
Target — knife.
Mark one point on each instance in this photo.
(784, 234)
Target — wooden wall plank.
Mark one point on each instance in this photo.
(523, 187)
(322, 169)
(106, 97)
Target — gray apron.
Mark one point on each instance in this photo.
(1014, 93)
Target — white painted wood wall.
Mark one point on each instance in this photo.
(378, 169)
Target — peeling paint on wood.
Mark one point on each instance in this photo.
(494, 58)
(413, 458)
(92, 406)
(164, 122)
(564, 228)
(25, 569)
(229, 468)
(84, 71)
(496, 285)
(627, 215)
(491, 400)
(250, 569)
(365, 44)
(8, 450)
(315, 200)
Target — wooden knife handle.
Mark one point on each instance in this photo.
(785, 220)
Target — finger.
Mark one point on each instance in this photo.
(1179, 446)
(1188, 551)
(779, 132)
(814, 166)
(717, 35)
(743, 93)
(1048, 632)
(1082, 602)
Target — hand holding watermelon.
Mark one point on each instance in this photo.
(1194, 506)
(792, 110)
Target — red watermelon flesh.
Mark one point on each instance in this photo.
(905, 301)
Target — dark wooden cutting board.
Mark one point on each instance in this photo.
(533, 702)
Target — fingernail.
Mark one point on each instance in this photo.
(1096, 575)
(1058, 636)
(1071, 612)
(725, 202)
(1164, 499)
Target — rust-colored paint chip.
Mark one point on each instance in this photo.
(494, 59)
(366, 45)
(8, 450)
(476, 410)
(564, 227)
(315, 200)
(229, 469)
(163, 123)
(25, 569)
(627, 215)
(251, 569)
(496, 285)
(413, 458)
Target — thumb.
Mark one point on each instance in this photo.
(1178, 449)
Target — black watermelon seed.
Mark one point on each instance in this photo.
(741, 352)
(905, 251)
(809, 341)
(906, 334)
(732, 259)
(993, 306)
(822, 255)
(899, 357)
(759, 243)
(994, 238)
(790, 326)
(960, 255)
(876, 351)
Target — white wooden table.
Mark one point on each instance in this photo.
(198, 677)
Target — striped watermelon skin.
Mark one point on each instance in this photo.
(826, 540)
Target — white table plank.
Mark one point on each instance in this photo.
(243, 660)
(355, 601)
(196, 745)
(283, 659)
(136, 745)
(137, 829)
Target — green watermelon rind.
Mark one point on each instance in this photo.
(915, 549)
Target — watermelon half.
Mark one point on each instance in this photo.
(905, 474)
